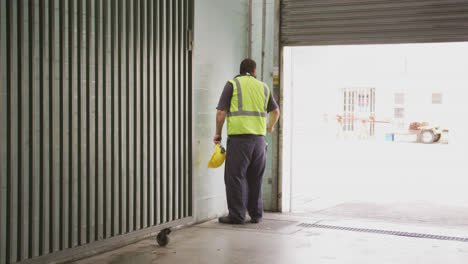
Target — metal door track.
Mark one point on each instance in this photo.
(385, 232)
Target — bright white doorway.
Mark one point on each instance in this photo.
(354, 123)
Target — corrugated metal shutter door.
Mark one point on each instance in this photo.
(95, 121)
(340, 22)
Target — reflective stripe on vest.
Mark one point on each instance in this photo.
(241, 119)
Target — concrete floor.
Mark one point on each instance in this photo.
(281, 239)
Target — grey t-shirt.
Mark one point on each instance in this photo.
(225, 99)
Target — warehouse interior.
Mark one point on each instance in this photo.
(108, 112)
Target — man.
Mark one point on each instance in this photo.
(245, 101)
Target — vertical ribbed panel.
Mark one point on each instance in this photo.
(3, 130)
(346, 22)
(95, 114)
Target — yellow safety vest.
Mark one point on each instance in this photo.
(248, 111)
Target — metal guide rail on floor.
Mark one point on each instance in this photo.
(385, 232)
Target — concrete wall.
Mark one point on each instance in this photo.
(220, 44)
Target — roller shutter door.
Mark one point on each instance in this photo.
(95, 123)
(343, 22)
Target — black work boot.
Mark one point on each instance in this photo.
(228, 220)
(255, 220)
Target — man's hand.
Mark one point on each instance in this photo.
(270, 129)
(217, 139)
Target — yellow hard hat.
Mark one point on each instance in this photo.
(218, 157)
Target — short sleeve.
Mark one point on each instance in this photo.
(272, 105)
(225, 100)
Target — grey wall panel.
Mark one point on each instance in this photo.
(96, 121)
(23, 149)
(96, 136)
(162, 109)
(14, 133)
(33, 135)
(91, 117)
(150, 116)
(187, 108)
(136, 120)
(121, 110)
(128, 71)
(42, 136)
(49, 131)
(372, 21)
(157, 113)
(3, 130)
(189, 15)
(170, 110)
(82, 167)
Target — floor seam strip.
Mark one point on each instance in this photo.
(385, 232)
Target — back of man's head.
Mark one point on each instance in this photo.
(248, 66)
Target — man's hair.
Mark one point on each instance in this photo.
(247, 66)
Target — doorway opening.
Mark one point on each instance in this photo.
(377, 131)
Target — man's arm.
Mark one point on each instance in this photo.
(223, 106)
(274, 116)
(274, 112)
(220, 117)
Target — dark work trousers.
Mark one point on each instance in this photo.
(243, 175)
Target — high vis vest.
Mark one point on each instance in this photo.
(248, 111)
